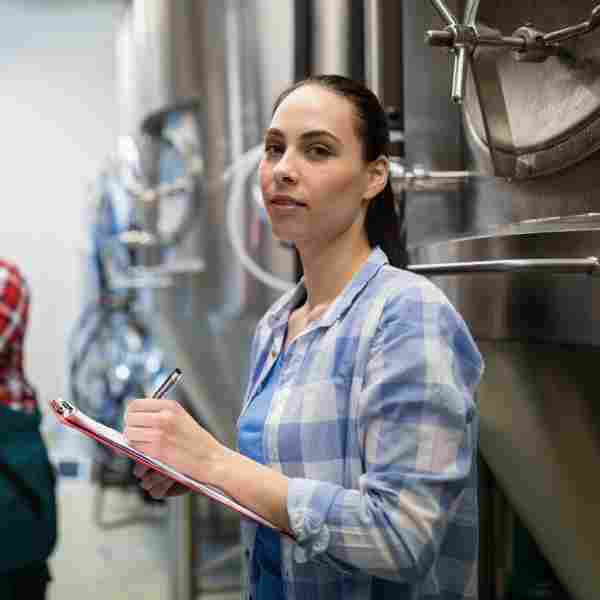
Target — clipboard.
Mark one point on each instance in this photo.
(72, 417)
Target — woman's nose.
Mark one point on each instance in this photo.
(284, 171)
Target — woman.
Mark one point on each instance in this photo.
(358, 432)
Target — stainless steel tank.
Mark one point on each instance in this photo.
(199, 64)
(329, 37)
(515, 248)
(126, 75)
(204, 79)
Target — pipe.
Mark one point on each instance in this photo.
(520, 265)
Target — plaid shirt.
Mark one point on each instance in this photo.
(375, 424)
(15, 392)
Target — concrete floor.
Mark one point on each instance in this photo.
(128, 561)
(90, 562)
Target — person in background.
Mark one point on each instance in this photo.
(358, 433)
(27, 501)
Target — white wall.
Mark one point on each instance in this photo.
(59, 120)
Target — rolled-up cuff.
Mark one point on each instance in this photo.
(308, 505)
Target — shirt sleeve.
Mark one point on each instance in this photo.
(417, 438)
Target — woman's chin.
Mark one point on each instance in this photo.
(284, 237)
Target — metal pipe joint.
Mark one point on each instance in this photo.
(419, 179)
(527, 43)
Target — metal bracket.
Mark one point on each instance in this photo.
(527, 43)
(419, 179)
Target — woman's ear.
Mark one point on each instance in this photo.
(378, 172)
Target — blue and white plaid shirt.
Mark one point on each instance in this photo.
(375, 424)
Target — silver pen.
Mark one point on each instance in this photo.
(172, 380)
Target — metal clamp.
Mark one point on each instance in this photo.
(589, 266)
(527, 43)
(184, 139)
(561, 35)
(62, 407)
(158, 277)
(539, 45)
(419, 179)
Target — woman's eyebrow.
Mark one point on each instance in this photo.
(274, 132)
(317, 133)
(307, 135)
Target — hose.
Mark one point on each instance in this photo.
(240, 171)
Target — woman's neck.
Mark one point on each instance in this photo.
(328, 269)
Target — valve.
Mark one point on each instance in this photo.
(461, 38)
(526, 42)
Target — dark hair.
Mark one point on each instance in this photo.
(384, 221)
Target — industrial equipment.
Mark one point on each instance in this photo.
(498, 193)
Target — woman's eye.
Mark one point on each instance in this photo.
(273, 149)
(319, 151)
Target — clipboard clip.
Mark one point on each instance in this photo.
(62, 407)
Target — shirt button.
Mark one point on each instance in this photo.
(273, 353)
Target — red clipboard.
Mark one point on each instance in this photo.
(72, 417)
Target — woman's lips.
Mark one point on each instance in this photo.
(285, 201)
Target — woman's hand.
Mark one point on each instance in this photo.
(157, 484)
(165, 431)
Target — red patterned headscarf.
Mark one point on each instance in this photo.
(15, 391)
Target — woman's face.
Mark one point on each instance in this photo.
(314, 181)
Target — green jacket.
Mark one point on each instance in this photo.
(27, 492)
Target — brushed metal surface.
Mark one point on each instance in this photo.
(540, 434)
(555, 308)
(129, 113)
(383, 53)
(164, 71)
(553, 107)
(332, 21)
(432, 126)
(539, 333)
(540, 422)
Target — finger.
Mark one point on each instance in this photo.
(177, 489)
(139, 435)
(161, 489)
(152, 478)
(156, 484)
(141, 419)
(148, 405)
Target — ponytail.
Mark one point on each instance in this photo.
(384, 224)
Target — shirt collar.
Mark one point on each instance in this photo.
(279, 314)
